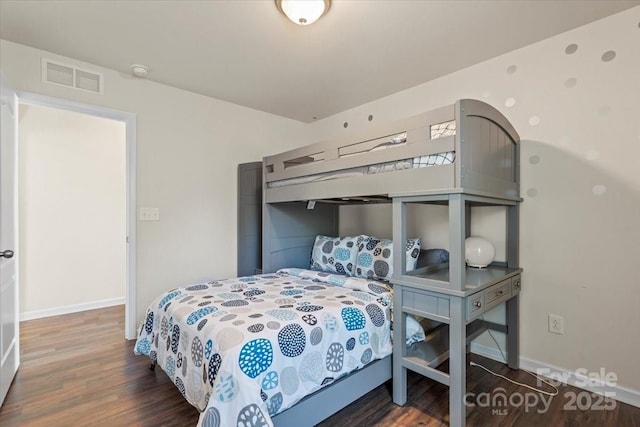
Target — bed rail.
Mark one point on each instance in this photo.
(356, 149)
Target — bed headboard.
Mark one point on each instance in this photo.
(289, 230)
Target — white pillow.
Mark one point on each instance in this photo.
(414, 330)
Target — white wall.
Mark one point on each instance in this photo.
(188, 149)
(579, 120)
(72, 209)
(430, 222)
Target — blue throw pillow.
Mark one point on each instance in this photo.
(335, 254)
(375, 257)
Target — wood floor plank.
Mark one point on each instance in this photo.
(78, 370)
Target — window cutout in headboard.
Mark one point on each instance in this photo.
(443, 129)
(304, 160)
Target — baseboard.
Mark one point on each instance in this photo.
(488, 352)
(576, 379)
(68, 309)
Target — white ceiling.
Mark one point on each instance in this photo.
(247, 53)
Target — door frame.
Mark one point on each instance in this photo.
(29, 98)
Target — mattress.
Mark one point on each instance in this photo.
(242, 350)
(437, 159)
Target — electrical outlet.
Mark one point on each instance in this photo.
(556, 324)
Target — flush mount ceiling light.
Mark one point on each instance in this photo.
(303, 12)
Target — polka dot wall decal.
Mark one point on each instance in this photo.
(571, 82)
(599, 190)
(534, 120)
(605, 110)
(532, 192)
(512, 69)
(534, 160)
(510, 102)
(572, 48)
(608, 56)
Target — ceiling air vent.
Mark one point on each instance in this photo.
(70, 76)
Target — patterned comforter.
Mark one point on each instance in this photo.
(242, 350)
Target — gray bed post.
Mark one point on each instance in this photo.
(513, 305)
(399, 325)
(266, 233)
(512, 332)
(457, 324)
(467, 233)
(457, 362)
(457, 230)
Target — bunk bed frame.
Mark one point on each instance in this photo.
(484, 172)
(486, 158)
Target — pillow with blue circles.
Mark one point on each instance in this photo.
(335, 254)
(375, 257)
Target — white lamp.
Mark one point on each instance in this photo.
(303, 12)
(478, 252)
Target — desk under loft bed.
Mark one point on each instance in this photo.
(462, 155)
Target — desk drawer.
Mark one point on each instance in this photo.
(475, 305)
(498, 293)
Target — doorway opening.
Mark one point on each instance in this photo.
(94, 234)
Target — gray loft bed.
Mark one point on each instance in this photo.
(480, 138)
(476, 155)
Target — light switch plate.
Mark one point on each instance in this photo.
(149, 214)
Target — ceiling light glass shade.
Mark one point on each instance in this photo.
(303, 12)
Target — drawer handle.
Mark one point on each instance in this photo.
(498, 293)
(516, 285)
(477, 304)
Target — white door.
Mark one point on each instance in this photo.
(9, 340)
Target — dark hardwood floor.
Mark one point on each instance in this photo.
(77, 370)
